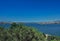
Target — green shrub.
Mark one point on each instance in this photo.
(19, 32)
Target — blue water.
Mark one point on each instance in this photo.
(53, 29)
(5, 25)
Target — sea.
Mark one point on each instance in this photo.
(51, 29)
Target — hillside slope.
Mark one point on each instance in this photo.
(19, 32)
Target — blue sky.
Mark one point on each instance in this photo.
(29, 10)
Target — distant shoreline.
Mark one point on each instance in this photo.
(54, 22)
(50, 22)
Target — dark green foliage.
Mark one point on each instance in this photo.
(19, 32)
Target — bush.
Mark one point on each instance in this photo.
(18, 32)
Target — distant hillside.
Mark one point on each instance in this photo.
(53, 22)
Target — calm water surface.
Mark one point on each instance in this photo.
(53, 29)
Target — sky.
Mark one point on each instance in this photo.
(29, 10)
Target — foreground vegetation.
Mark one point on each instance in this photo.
(19, 32)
